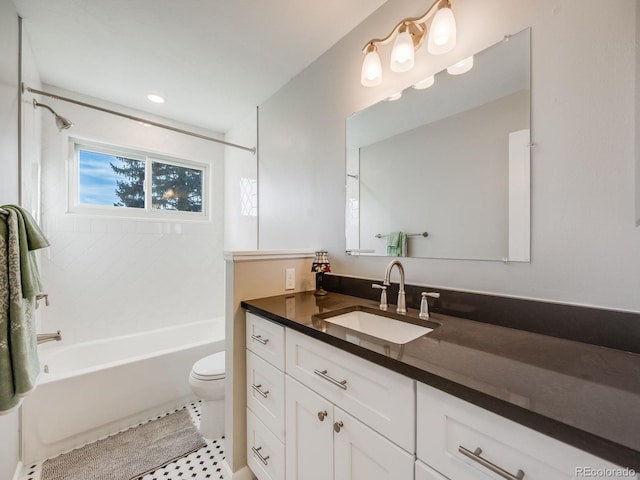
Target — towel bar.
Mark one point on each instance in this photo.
(423, 234)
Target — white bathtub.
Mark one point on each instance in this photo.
(96, 388)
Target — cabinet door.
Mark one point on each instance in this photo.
(363, 454)
(309, 434)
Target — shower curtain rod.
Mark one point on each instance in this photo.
(137, 119)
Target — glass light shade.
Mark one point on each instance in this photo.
(442, 34)
(403, 53)
(425, 83)
(371, 75)
(463, 66)
(321, 262)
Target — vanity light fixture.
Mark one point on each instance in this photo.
(463, 66)
(408, 36)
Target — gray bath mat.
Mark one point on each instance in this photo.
(129, 454)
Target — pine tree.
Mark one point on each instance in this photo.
(131, 190)
(176, 188)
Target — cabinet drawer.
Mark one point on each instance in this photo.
(265, 453)
(266, 339)
(425, 472)
(466, 442)
(265, 393)
(380, 398)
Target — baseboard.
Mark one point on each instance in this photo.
(243, 474)
(16, 475)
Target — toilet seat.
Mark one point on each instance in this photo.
(210, 367)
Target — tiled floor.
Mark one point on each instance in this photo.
(204, 464)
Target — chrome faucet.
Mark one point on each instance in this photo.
(402, 305)
(49, 337)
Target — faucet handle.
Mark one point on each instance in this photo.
(384, 305)
(424, 304)
(430, 294)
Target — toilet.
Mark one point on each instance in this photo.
(207, 382)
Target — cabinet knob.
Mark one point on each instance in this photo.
(337, 426)
(321, 415)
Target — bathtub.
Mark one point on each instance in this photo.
(89, 390)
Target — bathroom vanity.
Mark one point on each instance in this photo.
(465, 401)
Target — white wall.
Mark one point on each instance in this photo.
(112, 276)
(585, 246)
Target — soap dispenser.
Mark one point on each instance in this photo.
(424, 305)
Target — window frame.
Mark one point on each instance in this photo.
(148, 212)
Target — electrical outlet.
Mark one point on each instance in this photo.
(290, 279)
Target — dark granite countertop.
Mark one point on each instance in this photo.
(585, 395)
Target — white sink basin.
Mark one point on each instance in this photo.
(379, 326)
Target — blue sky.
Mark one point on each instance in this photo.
(97, 179)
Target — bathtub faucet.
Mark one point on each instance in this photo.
(49, 337)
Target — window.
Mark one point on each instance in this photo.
(248, 197)
(117, 180)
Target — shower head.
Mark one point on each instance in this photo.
(61, 122)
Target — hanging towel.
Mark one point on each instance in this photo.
(19, 284)
(397, 244)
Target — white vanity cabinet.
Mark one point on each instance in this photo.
(461, 441)
(324, 442)
(265, 398)
(317, 412)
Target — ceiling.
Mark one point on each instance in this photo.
(213, 60)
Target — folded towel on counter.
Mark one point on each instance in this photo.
(19, 284)
(397, 244)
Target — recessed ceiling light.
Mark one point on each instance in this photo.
(155, 98)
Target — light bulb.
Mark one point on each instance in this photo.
(403, 53)
(442, 34)
(371, 74)
(463, 66)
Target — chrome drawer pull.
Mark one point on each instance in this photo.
(475, 456)
(259, 390)
(259, 339)
(256, 451)
(323, 374)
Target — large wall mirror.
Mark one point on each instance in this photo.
(448, 166)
